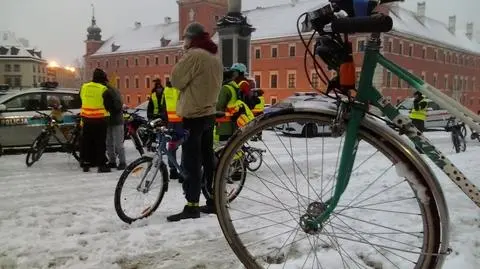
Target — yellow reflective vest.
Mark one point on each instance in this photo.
(234, 105)
(91, 95)
(170, 97)
(420, 114)
(156, 109)
(260, 107)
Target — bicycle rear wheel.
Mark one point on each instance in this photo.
(458, 141)
(76, 145)
(38, 147)
(254, 160)
(147, 177)
(264, 225)
(235, 179)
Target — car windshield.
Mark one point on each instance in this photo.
(142, 106)
(406, 104)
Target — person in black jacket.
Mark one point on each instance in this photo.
(155, 101)
(115, 131)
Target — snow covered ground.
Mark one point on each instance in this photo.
(54, 216)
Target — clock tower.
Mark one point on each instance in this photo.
(206, 12)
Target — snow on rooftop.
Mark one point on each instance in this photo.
(10, 47)
(405, 21)
(280, 20)
(142, 38)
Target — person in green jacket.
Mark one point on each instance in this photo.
(225, 127)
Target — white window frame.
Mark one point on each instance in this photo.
(257, 73)
(150, 82)
(314, 72)
(255, 49)
(270, 79)
(361, 39)
(125, 82)
(291, 72)
(273, 97)
(292, 45)
(271, 51)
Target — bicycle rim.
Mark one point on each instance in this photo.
(254, 166)
(328, 247)
(455, 141)
(235, 181)
(75, 146)
(134, 179)
(37, 149)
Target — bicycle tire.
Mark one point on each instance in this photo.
(434, 214)
(37, 148)
(259, 156)
(118, 190)
(463, 143)
(455, 140)
(138, 143)
(76, 145)
(232, 195)
(463, 130)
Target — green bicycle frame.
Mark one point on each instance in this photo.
(368, 94)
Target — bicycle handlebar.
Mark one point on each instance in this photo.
(377, 23)
(360, 17)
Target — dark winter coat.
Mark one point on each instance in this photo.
(113, 103)
(159, 93)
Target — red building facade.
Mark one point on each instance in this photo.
(277, 53)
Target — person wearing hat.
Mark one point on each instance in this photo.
(198, 78)
(418, 114)
(239, 71)
(94, 117)
(155, 101)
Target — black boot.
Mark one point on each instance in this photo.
(112, 165)
(174, 174)
(189, 212)
(85, 166)
(121, 166)
(208, 208)
(104, 169)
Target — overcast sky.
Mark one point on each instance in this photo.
(58, 27)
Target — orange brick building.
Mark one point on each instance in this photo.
(446, 57)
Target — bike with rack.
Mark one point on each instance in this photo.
(292, 218)
(69, 144)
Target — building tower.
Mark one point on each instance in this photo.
(206, 12)
(93, 42)
(94, 36)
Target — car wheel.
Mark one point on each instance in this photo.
(310, 130)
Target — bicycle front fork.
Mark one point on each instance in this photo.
(319, 211)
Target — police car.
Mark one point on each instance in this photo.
(18, 107)
(437, 118)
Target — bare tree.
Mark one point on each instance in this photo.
(79, 65)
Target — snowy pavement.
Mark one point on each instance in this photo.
(54, 216)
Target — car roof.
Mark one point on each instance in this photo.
(12, 93)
